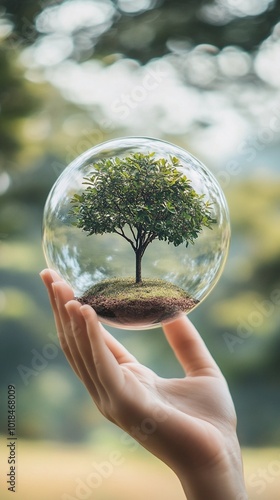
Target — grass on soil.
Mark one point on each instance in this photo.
(148, 302)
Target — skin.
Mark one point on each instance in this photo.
(188, 423)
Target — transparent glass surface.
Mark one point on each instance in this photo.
(84, 261)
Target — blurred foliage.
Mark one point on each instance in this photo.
(16, 102)
(142, 30)
(41, 130)
(191, 23)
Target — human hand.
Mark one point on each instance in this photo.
(188, 423)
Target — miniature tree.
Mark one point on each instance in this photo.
(141, 199)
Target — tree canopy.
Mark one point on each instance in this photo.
(141, 199)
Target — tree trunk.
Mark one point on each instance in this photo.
(138, 255)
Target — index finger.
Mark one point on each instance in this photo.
(49, 277)
(189, 348)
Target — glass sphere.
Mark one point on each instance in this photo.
(177, 271)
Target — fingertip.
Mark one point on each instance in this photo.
(180, 321)
(86, 307)
(61, 292)
(56, 286)
(90, 316)
(72, 306)
(87, 311)
(59, 284)
(49, 276)
(55, 276)
(45, 276)
(189, 347)
(172, 320)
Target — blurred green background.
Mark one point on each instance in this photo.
(204, 75)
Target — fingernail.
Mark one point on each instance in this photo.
(54, 275)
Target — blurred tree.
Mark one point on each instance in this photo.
(145, 31)
(146, 35)
(16, 102)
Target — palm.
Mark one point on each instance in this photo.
(195, 396)
(190, 404)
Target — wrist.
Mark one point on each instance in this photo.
(216, 481)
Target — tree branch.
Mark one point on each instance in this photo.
(132, 231)
(150, 236)
(122, 233)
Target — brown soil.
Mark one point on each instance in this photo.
(138, 312)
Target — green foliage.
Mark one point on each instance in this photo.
(141, 199)
(16, 102)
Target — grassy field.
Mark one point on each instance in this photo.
(48, 471)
